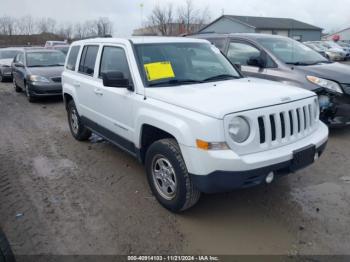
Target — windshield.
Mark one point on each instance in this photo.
(43, 59)
(8, 54)
(183, 63)
(292, 52)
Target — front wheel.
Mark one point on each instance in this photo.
(77, 128)
(17, 88)
(30, 98)
(168, 177)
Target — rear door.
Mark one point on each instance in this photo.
(85, 83)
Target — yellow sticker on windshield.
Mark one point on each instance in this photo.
(159, 70)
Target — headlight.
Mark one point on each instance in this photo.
(35, 78)
(328, 84)
(239, 129)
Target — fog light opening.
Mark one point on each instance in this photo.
(269, 178)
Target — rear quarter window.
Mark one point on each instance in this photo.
(88, 59)
(72, 58)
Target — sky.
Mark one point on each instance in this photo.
(127, 15)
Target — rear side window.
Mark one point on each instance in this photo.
(88, 59)
(72, 58)
(114, 59)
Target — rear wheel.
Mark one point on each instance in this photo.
(1, 77)
(77, 128)
(168, 177)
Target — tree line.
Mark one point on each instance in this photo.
(27, 25)
(192, 18)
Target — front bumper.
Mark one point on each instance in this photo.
(226, 181)
(338, 113)
(37, 89)
(222, 171)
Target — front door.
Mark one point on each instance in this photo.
(116, 103)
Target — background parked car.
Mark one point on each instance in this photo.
(63, 48)
(54, 43)
(6, 57)
(38, 72)
(346, 48)
(285, 60)
(333, 47)
(319, 49)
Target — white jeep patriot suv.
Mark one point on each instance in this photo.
(181, 108)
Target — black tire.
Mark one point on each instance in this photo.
(6, 254)
(80, 132)
(30, 98)
(1, 78)
(17, 88)
(186, 195)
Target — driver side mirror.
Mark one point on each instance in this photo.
(256, 61)
(116, 79)
(18, 64)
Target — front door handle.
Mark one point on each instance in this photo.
(76, 84)
(98, 92)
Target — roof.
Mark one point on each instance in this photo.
(141, 40)
(237, 35)
(259, 22)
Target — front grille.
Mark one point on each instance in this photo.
(56, 79)
(287, 123)
(276, 126)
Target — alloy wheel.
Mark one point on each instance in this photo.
(164, 177)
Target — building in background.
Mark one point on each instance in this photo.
(175, 29)
(343, 35)
(266, 25)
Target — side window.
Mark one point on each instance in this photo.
(72, 58)
(88, 59)
(241, 53)
(218, 42)
(16, 58)
(20, 58)
(114, 59)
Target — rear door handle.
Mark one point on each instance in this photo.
(98, 92)
(76, 84)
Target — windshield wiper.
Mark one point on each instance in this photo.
(177, 82)
(298, 63)
(220, 77)
(37, 66)
(56, 65)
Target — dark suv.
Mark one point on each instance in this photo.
(285, 60)
(38, 72)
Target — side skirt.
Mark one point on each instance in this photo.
(112, 137)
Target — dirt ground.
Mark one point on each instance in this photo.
(60, 196)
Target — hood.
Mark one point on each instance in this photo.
(54, 71)
(6, 61)
(217, 99)
(334, 71)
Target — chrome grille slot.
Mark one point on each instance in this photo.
(291, 122)
(283, 125)
(261, 129)
(273, 127)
